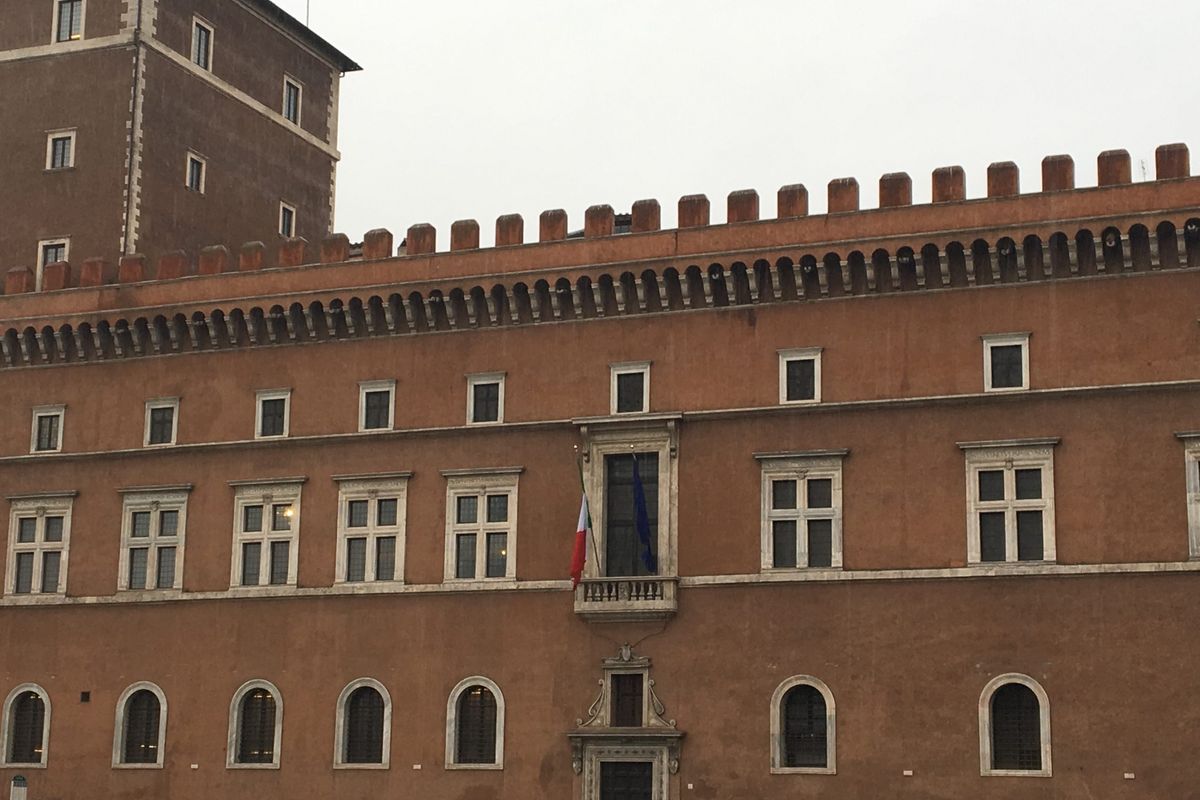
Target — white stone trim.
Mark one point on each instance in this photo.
(371, 490)
(629, 368)
(1008, 457)
(777, 755)
(1191, 456)
(39, 508)
(116, 40)
(812, 354)
(235, 725)
(452, 724)
(484, 378)
(480, 485)
(366, 387)
(6, 730)
(339, 734)
(59, 411)
(153, 502)
(985, 728)
(157, 405)
(53, 241)
(1004, 340)
(118, 752)
(273, 394)
(268, 495)
(62, 133)
(294, 81)
(132, 191)
(595, 755)
(800, 469)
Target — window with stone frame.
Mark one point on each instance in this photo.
(152, 539)
(371, 525)
(140, 736)
(161, 418)
(801, 510)
(202, 43)
(266, 534)
(481, 524)
(475, 725)
(1005, 362)
(1014, 728)
(629, 387)
(60, 149)
(293, 91)
(272, 413)
(26, 731)
(68, 20)
(364, 726)
(803, 727)
(800, 376)
(1010, 501)
(255, 726)
(39, 542)
(376, 405)
(1192, 479)
(47, 433)
(485, 398)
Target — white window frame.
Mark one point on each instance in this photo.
(273, 394)
(366, 387)
(119, 728)
(799, 467)
(985, 728)
(54, 23)
(484, 378)
(295, 219)
(187, 172)
(212, 37)
(812, 354)
(235, 725)
(65, 241)
(153, 501)
(157, 405)
(777, 742)
(288, 79)
(39, 506)
(339, 734)
(51, 136)
(1010, 456)
(371, 489)
(266, 494)
(6, 731)
(480, 483)
(451, 761)
(628, 368)
(992, 340)
(47, 411)
(1191, 456)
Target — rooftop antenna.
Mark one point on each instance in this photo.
(1142, 163)
(307, 13)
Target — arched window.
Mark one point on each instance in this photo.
(475, 725)
(141, 727)
(26, 726)
(255, 726)
(802, 727)
(364, 725)
(1014, 727)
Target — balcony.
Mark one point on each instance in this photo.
(626, 599)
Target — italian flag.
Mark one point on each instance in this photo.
(579, 556)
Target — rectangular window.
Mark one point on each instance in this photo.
(485, 398)
(629, 551)
(1010, 501)
(292, 93)
(287, 220)
(161, 416)
(376, 405)
(68, 20)
(47, 433)
(39, 538)
(266, 534)
(481, 525)
(628, 700)
(800, 375)
(202, 44)
(196, 174)
(371, 521)
(630, 388)
(50, 251)
(273, 416)
(1192, 465)
(60, 150)
(801, 512)
(1006, 362)
(152, 540)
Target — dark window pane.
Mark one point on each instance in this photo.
(356, 559)
(497, 508)
(497, 555)
(166, 568)
(357, 513)
(783, 494)
(1029, 536)
(47, 427)
(287, 221)
(54, 529)
(991, 536)
(820, 543)
(626, 780)
(378, 410)
(140, 526)
(251, 568)
(465, 557)
(256, 733)
(363, 727)
(991, 484)
(281, 517)
(485, 406)
(783, 543)
(272, 417)
(51, 562)
(70, 20)
(1016, 728)
(23, 583)
(805, 730)
(279, 562)
(1007, 367)
(60, 152)
(627, 702)
(168, 523)
(385, 558)
(202, 39)
(137, 567)
(467, 510)
(624, 551)
(1029, 484)
(252, 519)
(801, 379)
(291, 102)
(387, 512)
(631, 390)
(820, 493)
(476, 722)
(27, 530)
(162, 425)
(195, 175)
(141, 728)
(27, 729)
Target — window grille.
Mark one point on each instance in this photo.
(805, 728)
(476, 734)
(142, 711)
(1016, 728)
(27, 731)
(363, 727)
(256, 737)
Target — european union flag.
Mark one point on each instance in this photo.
(649, 559)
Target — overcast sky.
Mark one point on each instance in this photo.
(473, 110)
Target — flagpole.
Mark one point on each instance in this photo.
(583, 487)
